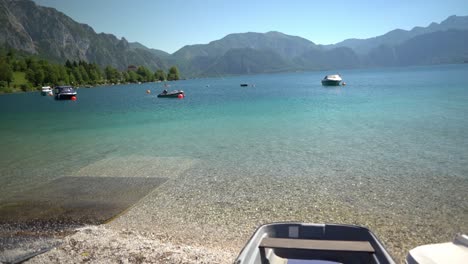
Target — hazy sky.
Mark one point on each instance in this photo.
(171, 24)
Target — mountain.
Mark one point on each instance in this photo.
(260, 52)
(433, 48)
(274, 51)
(284, 45)
(247, 61)
(398, 36)
(53, 35)
(338, 58)
(156, 52)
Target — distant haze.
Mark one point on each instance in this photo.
(170, 25)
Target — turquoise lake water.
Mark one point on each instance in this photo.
(401, 132)
(406, 119)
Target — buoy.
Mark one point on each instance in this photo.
(343, 84)
(73, 98)
(148, 91)
(180, 96)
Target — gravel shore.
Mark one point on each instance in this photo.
(203, 214)
(99, 244)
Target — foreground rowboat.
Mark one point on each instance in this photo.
(300, 243)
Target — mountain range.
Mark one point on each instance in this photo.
(51, 34)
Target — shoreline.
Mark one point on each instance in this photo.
(88, 86)
(101, 244)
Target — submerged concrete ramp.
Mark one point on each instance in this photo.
(37, 219)
(33, 221)
(71, 200)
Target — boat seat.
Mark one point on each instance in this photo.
(308, 244)
(349, 251)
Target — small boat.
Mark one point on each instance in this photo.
(65, 93)
(313, 243)
(332, 80)
(455, 252)
(244, 84)
(46, 90)
(173, 94)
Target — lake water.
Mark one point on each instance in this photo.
(389, 150)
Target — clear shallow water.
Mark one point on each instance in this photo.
(287, 122)
(391, 141)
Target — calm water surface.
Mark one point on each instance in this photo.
(393, 141)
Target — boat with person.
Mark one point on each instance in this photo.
(172, 94)
(46, 90)
(302, 243)
(331, 80)
(65, 92)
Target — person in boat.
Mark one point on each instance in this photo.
(165, 91)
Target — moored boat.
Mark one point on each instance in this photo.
(313, 243)
(46, 90)
(244, 84)
(455, 252)
(65, 93)
(172, 94)
(332, 80)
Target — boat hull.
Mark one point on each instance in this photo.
(330, 83)
(64, 96)
(170, 95)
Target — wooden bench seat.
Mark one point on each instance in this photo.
(308, 244)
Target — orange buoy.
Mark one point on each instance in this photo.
(73, 98)
(180, 96)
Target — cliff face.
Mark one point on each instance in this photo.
(52, 34)
(12, 31)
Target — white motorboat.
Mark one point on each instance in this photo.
(46, 90)
(332, 80)
(455, 252)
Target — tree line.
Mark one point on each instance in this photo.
(21, 72)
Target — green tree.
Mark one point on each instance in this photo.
(125, 76)
(39, 77)
(94, 73)
(51, 74)
(10, 56)
(71, 78)
(173, 74)
(145, 74)
(6, 73)
(132, 77)
(77, 74)
(63, 77)
(84, 73)
(19, 65)
(68, 64)
(35, 73)
(160, 75)
(112, 74)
